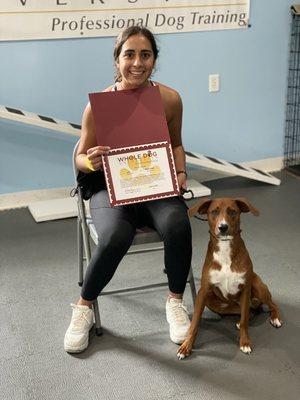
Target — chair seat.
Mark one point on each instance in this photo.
(143, 235)
(146, 235)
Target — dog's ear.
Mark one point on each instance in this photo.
(245, 206)
(201, 207)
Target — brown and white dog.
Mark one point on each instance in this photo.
(228, 283)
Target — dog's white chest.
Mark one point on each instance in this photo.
(225, 279)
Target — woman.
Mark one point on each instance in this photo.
(135, 55)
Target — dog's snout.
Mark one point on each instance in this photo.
(223, 228)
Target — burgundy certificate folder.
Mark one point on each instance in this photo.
(140, 164)
(129, 117)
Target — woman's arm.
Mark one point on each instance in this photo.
(174, 125)
(179, 158)
(88, 156)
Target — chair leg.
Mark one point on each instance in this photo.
(80, 252)
(87, 252)
(191, 281)
(98, 327)
(86, 243)
(84, 251)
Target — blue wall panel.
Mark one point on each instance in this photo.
(244, 121)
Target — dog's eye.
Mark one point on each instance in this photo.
(214, 213)
(232, 213)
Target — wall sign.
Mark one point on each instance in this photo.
(55, 19)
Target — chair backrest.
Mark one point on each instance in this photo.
(83, 214)
(75, 170)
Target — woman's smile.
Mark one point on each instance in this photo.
(136, 72)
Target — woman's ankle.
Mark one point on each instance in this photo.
(82, 302)
(175, 295)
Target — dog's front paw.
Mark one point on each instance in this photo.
(245, 346)
(246, 349)
(184, 350)
(276, 322)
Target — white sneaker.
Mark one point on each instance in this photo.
(177, 317)
(77, 335)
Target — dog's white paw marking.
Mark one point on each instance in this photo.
(238, 325)
(276, 322)
(246, 349)
(180, 356)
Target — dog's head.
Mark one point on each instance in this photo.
(223, 214)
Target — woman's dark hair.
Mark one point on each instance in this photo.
(124, 35)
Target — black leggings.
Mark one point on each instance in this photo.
(116, 228)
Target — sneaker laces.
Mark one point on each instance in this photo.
(179, 313)
(79, 319)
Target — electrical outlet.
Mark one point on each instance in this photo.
(214, 83)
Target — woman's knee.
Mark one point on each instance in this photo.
(176, 225)
(116, 240)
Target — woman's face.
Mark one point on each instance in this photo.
(135, 62)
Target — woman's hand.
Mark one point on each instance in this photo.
(94, 158)
(181, 177)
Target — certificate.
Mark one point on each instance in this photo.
(140, 173)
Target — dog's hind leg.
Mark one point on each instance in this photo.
(260, 291)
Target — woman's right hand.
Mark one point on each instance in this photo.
(94, 156)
